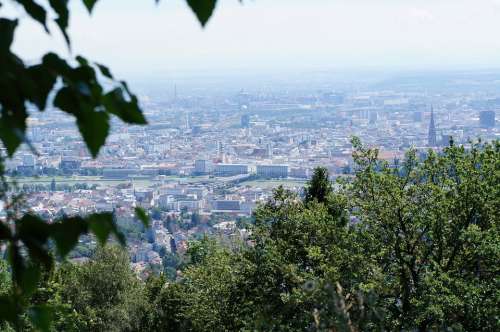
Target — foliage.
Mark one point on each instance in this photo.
(431, 230)
(319, 187)
(104, 293)
(88, 92)
(412, 246)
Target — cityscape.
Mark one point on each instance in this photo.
(205, 162)
(206, 165)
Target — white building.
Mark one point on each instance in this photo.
(272, 171)
(230, 169)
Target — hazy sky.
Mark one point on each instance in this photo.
(136, 36)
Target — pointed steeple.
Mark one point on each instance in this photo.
(431, 139)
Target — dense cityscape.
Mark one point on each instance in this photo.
(205, 161)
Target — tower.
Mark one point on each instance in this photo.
(431, 139)
(188, 121)
(220, 150)
(245, 121)
(269, 150)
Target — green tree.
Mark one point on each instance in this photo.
(411, 247)
(168, 301)
(319, 187)
(195, 219)
(430, 231)
(103, 293)
(53, 185)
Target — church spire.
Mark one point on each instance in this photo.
(431, 140)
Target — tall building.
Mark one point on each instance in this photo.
(487, 119)
(269, 150)
(245, 121)
(431, 139)
(220, 150)
(188, 121)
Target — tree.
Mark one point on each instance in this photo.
(431, 228)
(420, 253)
(103, 293)
(168, 301)
(84, 90)
(319, 187)
(195, 219)
(53, 185)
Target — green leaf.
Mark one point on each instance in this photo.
(66, 233)
(12, 127)
(7, 28)
(25, 276)
(55, 64)
(61, 8)
(45, 81)
(105, 71)
(102, 225)
(33, 229)
(93, 125)
(82, 61)
(67, 100)
(143, 217)
(34, 232)
(36, 11)
(5, 232)
(128, 111)
(89, 4)
(203, 9)
(7, 309)
(41, 316)
(29, 278)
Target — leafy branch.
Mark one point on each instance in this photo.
(84, 90)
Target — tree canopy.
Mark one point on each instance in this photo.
(411, 247)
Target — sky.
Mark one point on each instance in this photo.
(140, 38)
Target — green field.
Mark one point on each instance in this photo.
(90, 180)
(145, 182)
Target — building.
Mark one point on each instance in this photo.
(226, 205)
(220, 150)
(431, 138)
(119, 173)
(230, 169)
(299, 172)
(69, 165)
(143, 197)
(417, 116)
(202, 166)
(487, 119)
(28, 160)
(245, 121)
(272, 171)
(269, 150)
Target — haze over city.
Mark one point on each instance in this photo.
(279, 36)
